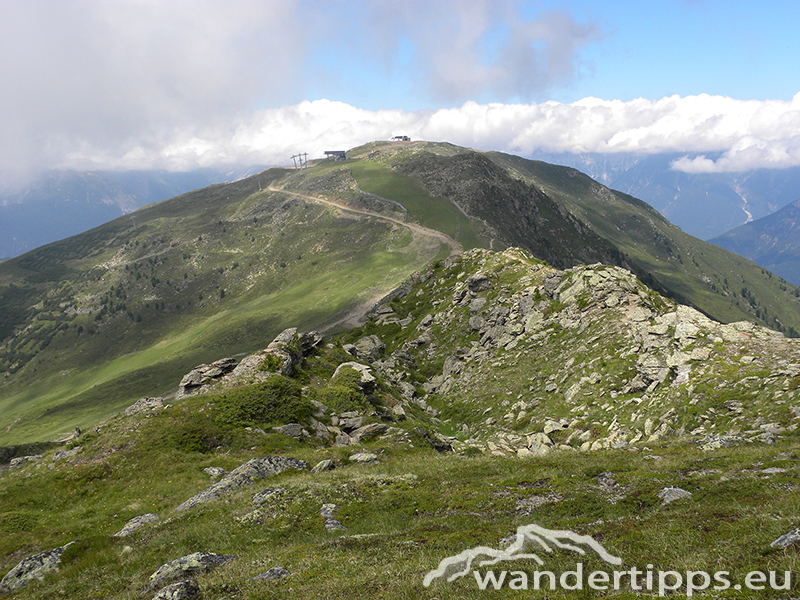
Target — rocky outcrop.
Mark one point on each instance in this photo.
(33, 567)
(199, 379)
(282, 354)
(155, 404)
(621, 360)
(21, 461)
(251, 471)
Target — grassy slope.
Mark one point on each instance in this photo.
(208, 274)
(436, 213)
(403, 515)
(695, 272)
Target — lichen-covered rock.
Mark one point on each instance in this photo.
(787, 539)
(363, 457)
(370, 348)
(33, 567)
(245, 474)
(190, 564)
(137, 523)
(180, 590)
(324, 465)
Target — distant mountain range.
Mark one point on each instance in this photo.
(60, 204)
(705, 205)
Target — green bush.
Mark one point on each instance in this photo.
(342, 398)
(343, 393)
(271, 362)
(278, 400)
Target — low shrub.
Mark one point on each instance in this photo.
(276, 401)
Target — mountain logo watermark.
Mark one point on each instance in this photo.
(533, 537)
(481, 556)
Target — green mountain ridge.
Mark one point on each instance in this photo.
(115, 313)
(94, 322)
(771, 241)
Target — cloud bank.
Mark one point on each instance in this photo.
(124, 83)
(750, 134)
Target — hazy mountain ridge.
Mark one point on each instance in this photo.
(772, 241)
(60, 204)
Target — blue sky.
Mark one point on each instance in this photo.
(644, 48)
(180, 84)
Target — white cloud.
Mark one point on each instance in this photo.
(749, 134)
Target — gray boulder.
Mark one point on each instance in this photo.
(367, 431)
(670, 494)
(190, 564)
(136, 523)
(293, 430)
(370, 348)
(478, 282)
(33, 567)
(198, 379)
(245, 474)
